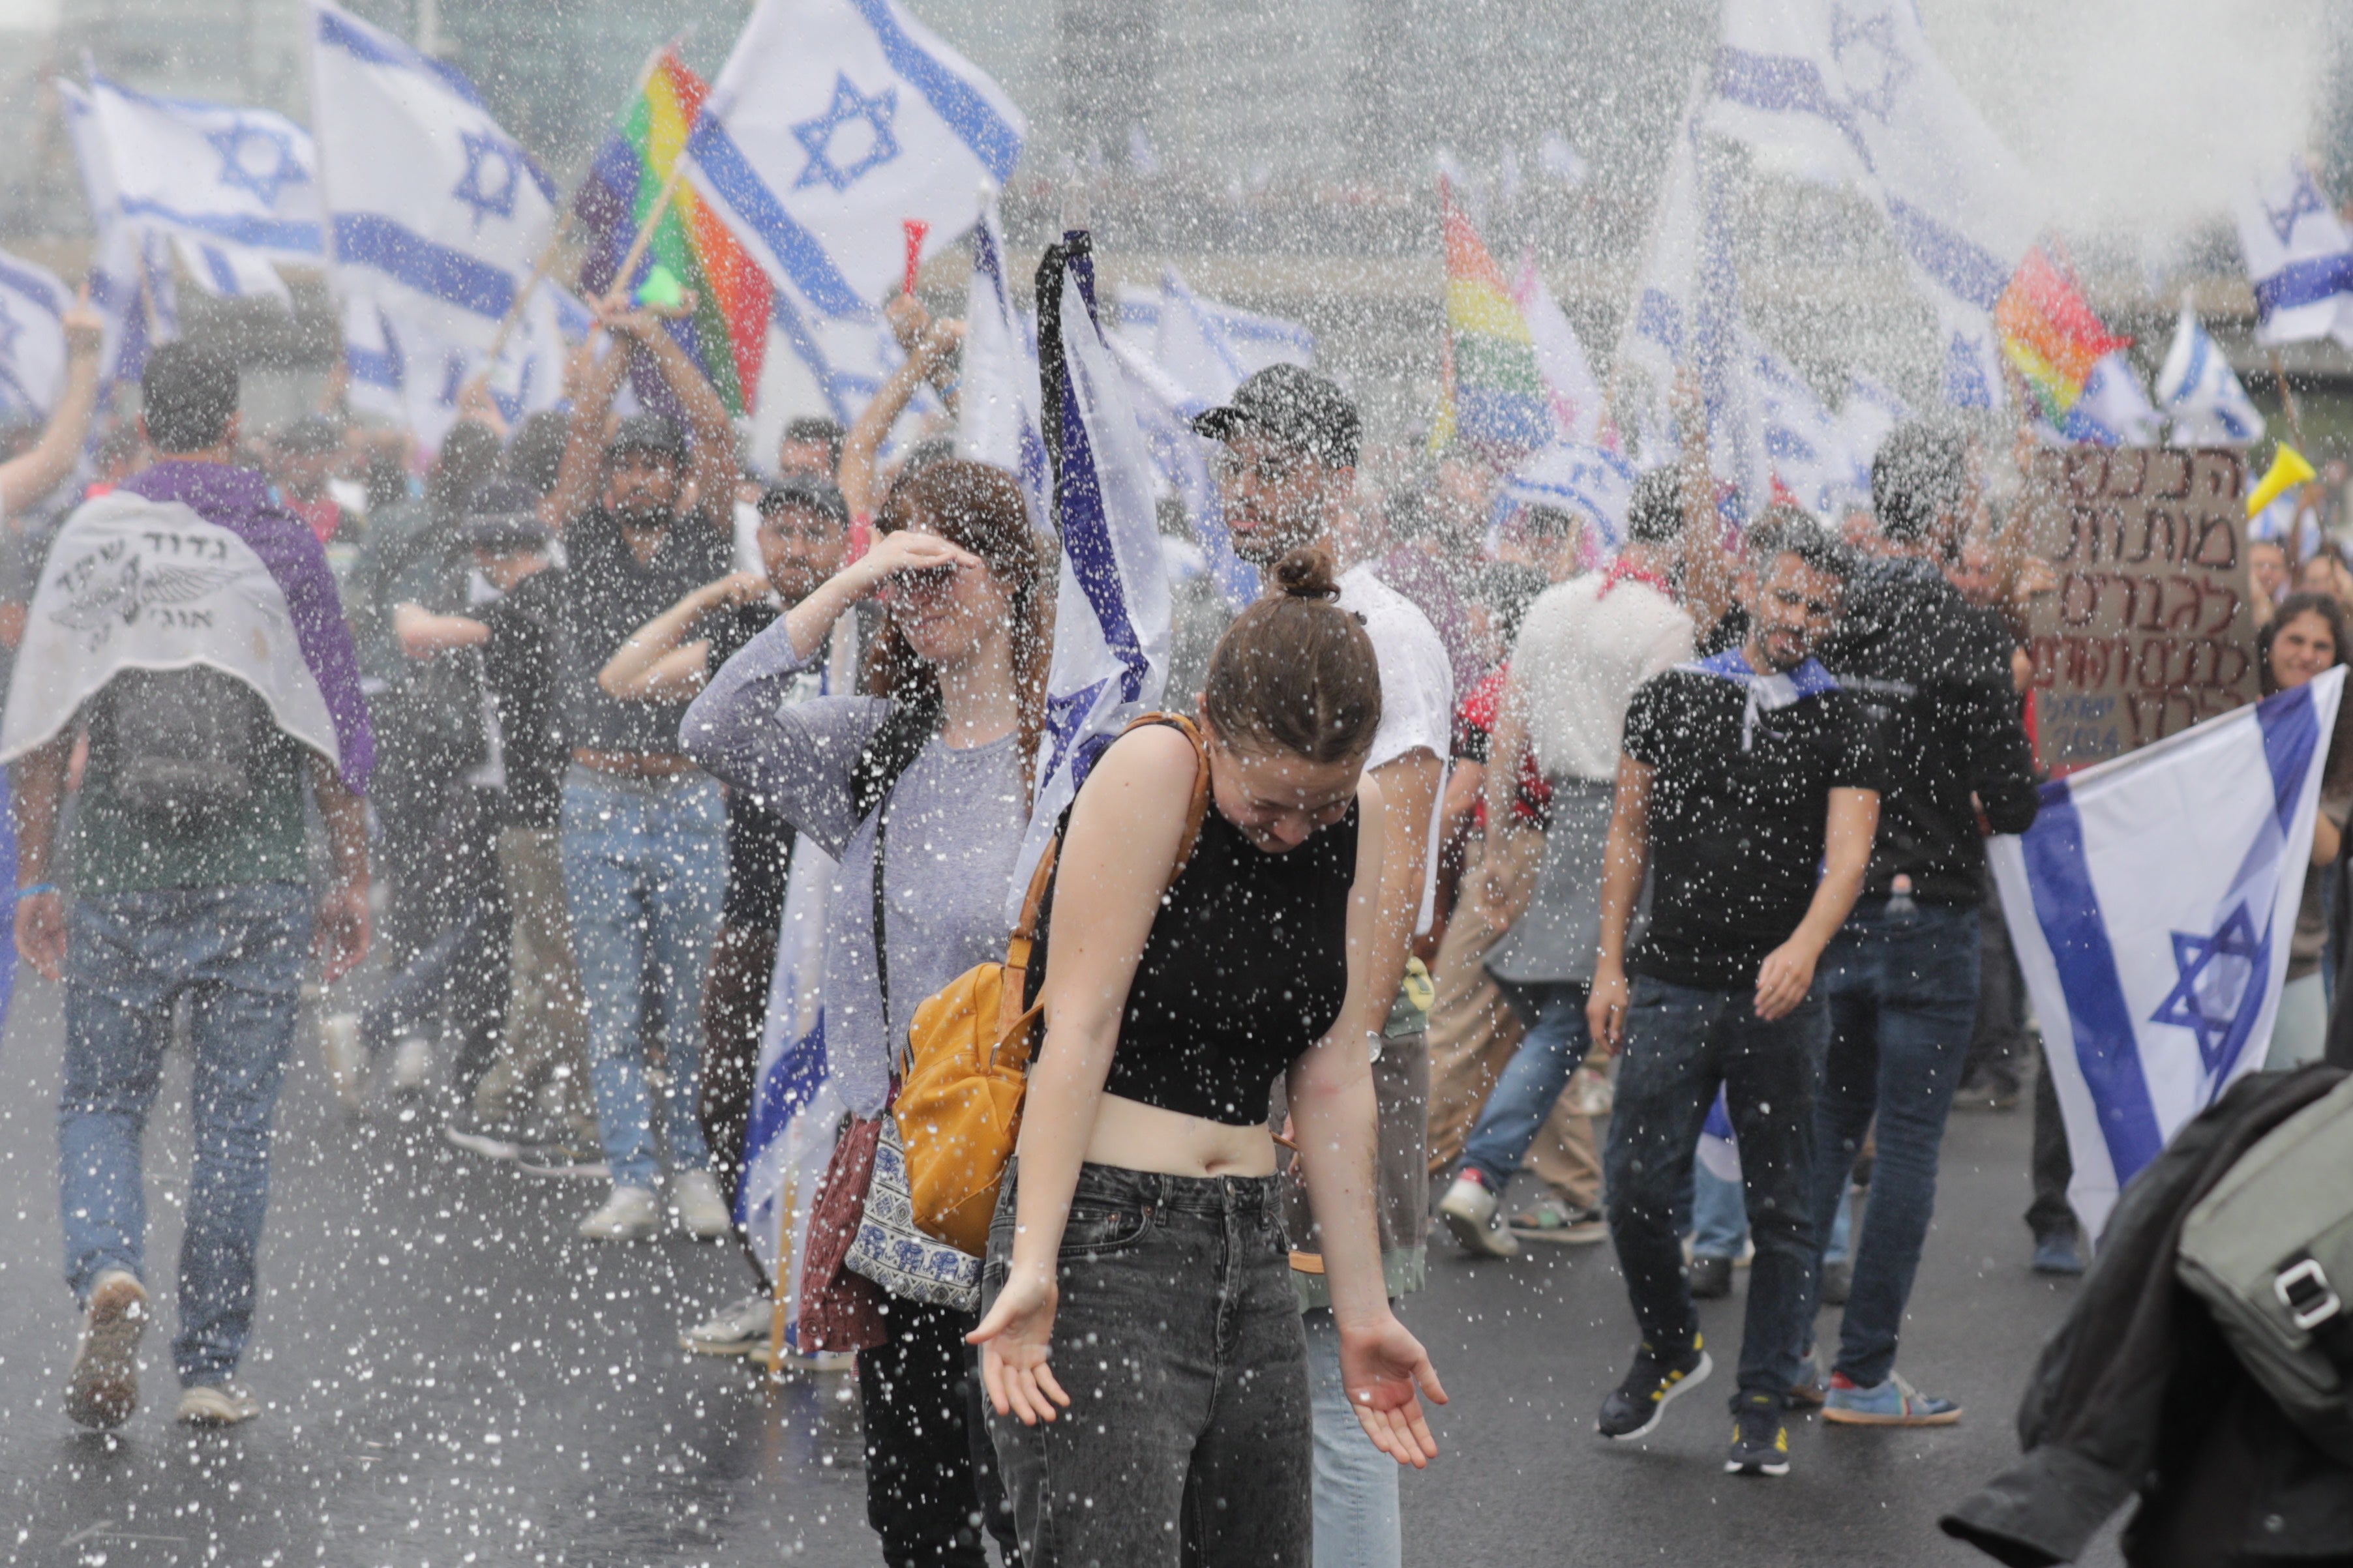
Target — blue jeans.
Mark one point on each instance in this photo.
(1720, 1219)
(1356, 1484)
(645, 867)
(1903, 991)
(1523, 1096)
(1682, 1042)
(237, 953)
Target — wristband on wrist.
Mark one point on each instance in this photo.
(36, 889)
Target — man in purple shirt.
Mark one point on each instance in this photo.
(188, 863)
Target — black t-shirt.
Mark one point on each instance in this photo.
(609, 594)
(1739, 799)
(759, 840)
(519, 662)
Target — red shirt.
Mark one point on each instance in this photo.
(1474, 731)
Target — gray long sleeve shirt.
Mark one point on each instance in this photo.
(956, 817)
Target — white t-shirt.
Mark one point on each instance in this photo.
(1417, 694)
(1580, 658)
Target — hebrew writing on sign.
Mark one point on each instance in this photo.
(2150, 630)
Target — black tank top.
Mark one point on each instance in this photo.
(1246, 967)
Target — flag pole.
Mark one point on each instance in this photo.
(777, 1276)
(545, 264)
(2288, 401)
(645, 235)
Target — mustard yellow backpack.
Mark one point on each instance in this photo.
(959, 1101)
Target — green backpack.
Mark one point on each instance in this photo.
(2270, 1251)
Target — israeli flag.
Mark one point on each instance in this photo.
(796, 1111)
(1802, 441)
(1578, 410)
(231, 271)
(1869, 413)
(406, 372)
(1112, 612)
(819, 363)
(33, 304)
(1207, 347)
(2200, 393)
(130, 272)
(1855, 86)
(433, 209)
(2112, 412)
(2299, 257)
(1182, 460)
(832, 124)
(240, 183)
(1592, 483)
(997, 404)
(2152, 904)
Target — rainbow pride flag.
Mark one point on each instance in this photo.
(1491, 395)
(726, 332)
(2049, 334)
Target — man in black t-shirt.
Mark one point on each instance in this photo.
(646, 519)
(1747, 791)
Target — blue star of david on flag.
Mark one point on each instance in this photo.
(493, 174)
(2304, 203)
(1866, 52)
(2218, 976)
(257, 159)
(848, 105)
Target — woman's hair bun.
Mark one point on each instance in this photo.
(1306, 573)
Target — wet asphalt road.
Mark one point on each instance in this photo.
(451, 1378)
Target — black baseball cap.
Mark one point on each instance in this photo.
(655, 433)
(503, 516)
(809, 495)
(1294, 407)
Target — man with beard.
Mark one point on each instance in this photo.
(1287, 478)
(1747, 791)
(645, 519)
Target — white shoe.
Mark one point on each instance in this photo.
(737, 1328)
(346, 1059)
(412, 1065)
(695, 1196)
(218, 1404)
(631, 1214)
(1469, 1210)
(102, 1390)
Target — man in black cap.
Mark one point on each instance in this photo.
(303, 456)
(1287, 479)
(646, 519)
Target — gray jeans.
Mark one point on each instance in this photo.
(1178, 1339)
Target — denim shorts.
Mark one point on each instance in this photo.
(1178, 1338)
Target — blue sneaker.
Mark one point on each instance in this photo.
(2056, 1254)
(1894, 1402)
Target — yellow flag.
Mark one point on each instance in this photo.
(2288, 468)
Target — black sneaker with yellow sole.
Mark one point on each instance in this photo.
(1760, 1441)
(1633, 1408)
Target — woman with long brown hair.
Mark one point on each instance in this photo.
(922, 792)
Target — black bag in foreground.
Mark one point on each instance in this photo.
(180, 745)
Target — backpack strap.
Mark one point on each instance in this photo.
(1033, 902)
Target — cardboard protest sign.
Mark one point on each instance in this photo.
(2150, 630)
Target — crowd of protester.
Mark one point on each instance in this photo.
(1654, 873)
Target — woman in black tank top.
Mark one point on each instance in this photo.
(1141, 1342)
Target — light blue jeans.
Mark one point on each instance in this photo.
(1532, 1081)
(644, 868)
(237, 953)
(1720, 1219)
(1356, 1483)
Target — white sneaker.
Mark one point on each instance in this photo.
(737, 1328)
(695, 1196)
(1469, 1210)
(346, 1059)
(631, 1214)
(102, 1390)
(218, 1404)
(412, 1065)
